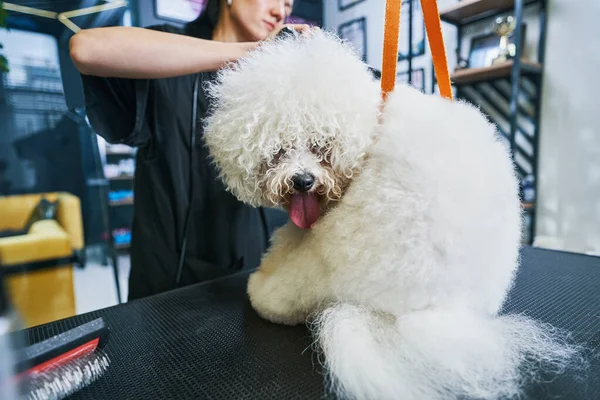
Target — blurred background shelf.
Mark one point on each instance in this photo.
(110, 152)
(467, 11)
(528, 206)
(121, 178)
(125, 202)
(474, 75)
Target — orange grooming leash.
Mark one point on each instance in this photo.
(433, 27)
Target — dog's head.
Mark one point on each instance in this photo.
(291, 124)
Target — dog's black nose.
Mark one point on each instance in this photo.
(303, 182)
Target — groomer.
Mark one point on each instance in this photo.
(140, 86)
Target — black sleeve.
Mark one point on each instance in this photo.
(116, 107)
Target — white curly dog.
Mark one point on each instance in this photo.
(404, 228)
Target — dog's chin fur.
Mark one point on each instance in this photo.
(403, 276)
(277, 187)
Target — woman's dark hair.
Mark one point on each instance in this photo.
(204, 25)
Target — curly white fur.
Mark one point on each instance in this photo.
(403, 278)
(244, 142)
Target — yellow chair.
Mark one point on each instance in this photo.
(39, 263)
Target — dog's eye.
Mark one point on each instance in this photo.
(277, 156)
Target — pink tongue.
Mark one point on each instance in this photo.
(304, 210)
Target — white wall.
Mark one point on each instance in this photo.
(569, 169)
(569, 176)
(373, 10)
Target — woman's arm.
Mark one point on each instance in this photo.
(137, 53)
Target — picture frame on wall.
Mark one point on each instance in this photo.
(355, 32)
(418, 31)
(346, 4)
(180, 11)
(418, 78)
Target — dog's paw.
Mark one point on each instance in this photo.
(273, 301)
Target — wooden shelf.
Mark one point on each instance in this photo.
(473, 75)
(126, 202)
(123, 246)
(121, 178)
(528, 206)
(466, 11)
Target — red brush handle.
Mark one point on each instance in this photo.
(63, 359)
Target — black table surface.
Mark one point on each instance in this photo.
(206, 342)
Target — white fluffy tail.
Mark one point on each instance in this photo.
(435, 354)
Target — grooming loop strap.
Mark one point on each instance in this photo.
(390, 46)
(435, 38)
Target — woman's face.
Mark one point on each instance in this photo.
(257, 18)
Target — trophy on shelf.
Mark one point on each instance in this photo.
(505, 28)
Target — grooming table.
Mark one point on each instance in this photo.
(205, 341)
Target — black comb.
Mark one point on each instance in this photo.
(288, 33)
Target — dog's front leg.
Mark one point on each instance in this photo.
(291, 281)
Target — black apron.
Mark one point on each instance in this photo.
(224, 235)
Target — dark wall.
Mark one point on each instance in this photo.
(310, 9)
(142, 14)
